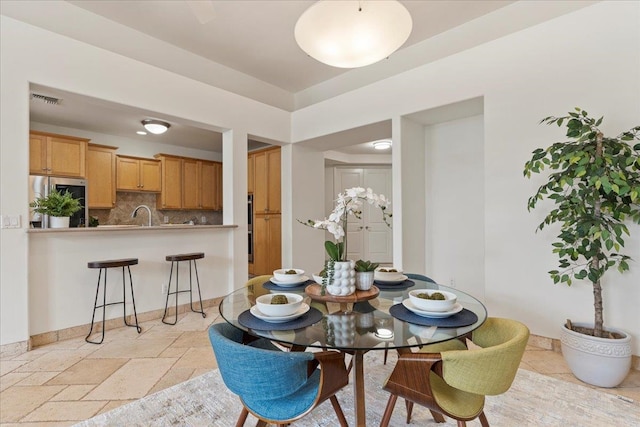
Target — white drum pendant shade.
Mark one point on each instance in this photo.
(350, 34)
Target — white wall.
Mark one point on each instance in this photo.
(455, 204)
(588, 58)
(32, 55)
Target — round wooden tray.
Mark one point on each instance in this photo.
(314, 292)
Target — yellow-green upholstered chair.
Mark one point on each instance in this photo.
(454, 383)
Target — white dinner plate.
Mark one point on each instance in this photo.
(457, 307)
(391, 282)
(279, 319)
(289, 284)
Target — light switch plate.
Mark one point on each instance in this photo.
(11, 221)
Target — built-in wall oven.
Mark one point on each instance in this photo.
(250, 225)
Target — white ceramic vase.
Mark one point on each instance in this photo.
(364, 280)
(602, 362)
(341, 278)
(58, 222)
(341, 329)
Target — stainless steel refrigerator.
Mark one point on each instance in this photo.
(40, 186)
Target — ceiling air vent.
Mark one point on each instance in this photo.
(46, 99)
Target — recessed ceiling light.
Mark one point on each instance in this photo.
(383, 144)
(155, 126)
(141, 132)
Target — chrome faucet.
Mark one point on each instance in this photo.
(135, 212)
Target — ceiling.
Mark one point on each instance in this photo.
(248, 39)
(256, 37)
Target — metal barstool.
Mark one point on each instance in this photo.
(175, 259)
(104, 265)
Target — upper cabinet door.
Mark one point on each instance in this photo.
(57, 155)
(101, 174)
(150, 175)
(250, 173)
(208, 184)
(171, 194)
(128, 173)
(191, 184)
(273, 162)
(266, 188)
(38, 155)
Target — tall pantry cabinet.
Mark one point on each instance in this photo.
(264, 179)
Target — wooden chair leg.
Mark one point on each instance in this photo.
(409, 405)
(437, 416)
(243, 417)
(483, 419)
(261, 423)
(339, 413)
(462, 423)
(386, 417)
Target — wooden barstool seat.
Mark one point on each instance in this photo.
(175, 259)
(104, 265)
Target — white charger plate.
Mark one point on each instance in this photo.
(289, 284)
(279, 319)
(391, 282)
(457, 307)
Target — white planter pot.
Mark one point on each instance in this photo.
(341, 278)
(58, 222)
(602, 362)
(364, 280)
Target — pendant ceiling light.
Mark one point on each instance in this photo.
(350, 34)
(155, 126)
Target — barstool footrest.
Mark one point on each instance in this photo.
(104, 265)
(176, 259)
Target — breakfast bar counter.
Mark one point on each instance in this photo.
(127, 227)
(62, 289)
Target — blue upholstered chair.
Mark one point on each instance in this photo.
(419, 277)
(276, 387)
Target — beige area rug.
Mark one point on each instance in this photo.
(533, 400)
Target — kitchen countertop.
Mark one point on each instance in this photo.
(127, 228)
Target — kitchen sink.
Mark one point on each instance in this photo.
(175, 225)
(119, 226)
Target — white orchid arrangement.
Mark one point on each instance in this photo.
(349, 202)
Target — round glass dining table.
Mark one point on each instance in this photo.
(355, 327)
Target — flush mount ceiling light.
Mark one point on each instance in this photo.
(350, 34)
(383, 144)
(155, 126)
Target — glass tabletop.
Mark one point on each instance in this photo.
(365, 325)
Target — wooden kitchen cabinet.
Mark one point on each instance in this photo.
(202, 184)
(267, 253)
(191, 183)
(251, 165)
(138, 174)
(266, 187)
(101, 176)
(211, 190)
(171, 189)
(57, 155)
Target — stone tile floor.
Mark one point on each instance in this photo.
(69, 381)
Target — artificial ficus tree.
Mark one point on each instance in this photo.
(594, 185)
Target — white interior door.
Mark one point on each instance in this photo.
(377, 235)
(368, 238)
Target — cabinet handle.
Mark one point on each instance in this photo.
(367, 227)
(266, 218)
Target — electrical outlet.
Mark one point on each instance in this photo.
(452, 282)
(203, 220)
(164, 289)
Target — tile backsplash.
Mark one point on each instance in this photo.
(127, 202)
